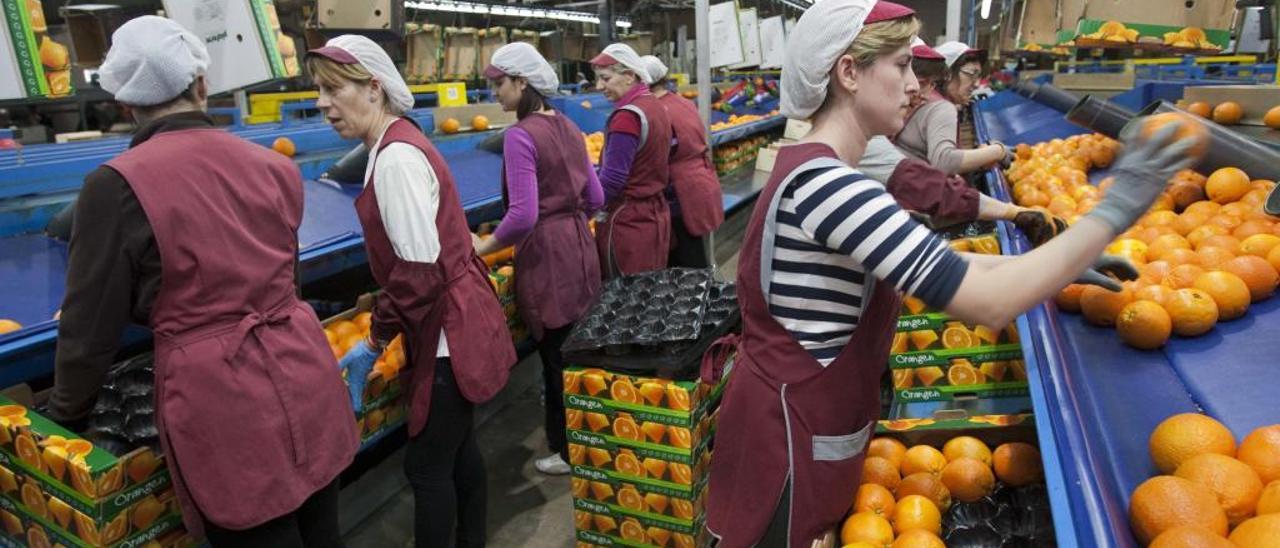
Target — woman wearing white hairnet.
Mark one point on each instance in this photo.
(435, 289)
(695, 197)
(932, 128)
(549, 188)
(634, 167)
(193, 232)
(826, 256)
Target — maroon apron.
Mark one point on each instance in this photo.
(637, 235)
(692, 174)
(784, 417)
(558, 269)
(252, 412)
(418, 299)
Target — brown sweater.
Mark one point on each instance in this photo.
(930, 136)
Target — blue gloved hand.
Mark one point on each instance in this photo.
(357, 363)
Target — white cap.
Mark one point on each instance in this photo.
(352, 49)
(953, 51)
(657, 69)
(152, 60)
(522, 60)
(820, 37)
(623, 54)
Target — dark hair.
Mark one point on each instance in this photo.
(931, 70)
(530, 102)
(146, 112)
(664, 83)
(971, 57)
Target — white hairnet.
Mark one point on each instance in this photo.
(657, 69)
(628, 57)
(522, 60)
(152, 60)
(820, 37)
(374, 59)
(952, 51)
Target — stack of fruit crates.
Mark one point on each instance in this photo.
(935, 358)
(60, 489)
(382, 407)
(502, 278)
(640, 450)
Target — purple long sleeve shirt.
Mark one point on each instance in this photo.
(520, 162)
(621, 142)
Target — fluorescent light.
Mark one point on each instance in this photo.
(986, 8)
(452, 6)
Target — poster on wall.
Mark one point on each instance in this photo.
(772, 43)
(32, 64)
(726, 38)
(747, 27)
(245, 43)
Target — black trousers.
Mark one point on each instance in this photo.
(688, 251)
(553, 381)
(312, 525)
(446, 471)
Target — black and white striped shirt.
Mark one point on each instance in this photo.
(833, 226)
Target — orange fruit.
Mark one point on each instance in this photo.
(1201, 109)
(923, 338)
(962, 373)
(1185, 193)
(632, 531)
(1259, 245)
(450, 125)
(1228, 113)
(1225, 241)
(994, 371)
(604, 524)
(1254, 227)
(917, 538)
(1226, 220)
(1162, 245)
(577, 453)
(285, 146)
(572, 382)
(597, 421)
(873, 498)
(28, 452)
(1156, 293)
(1256, 273)
(344, 328)
(1017, 464)
(1227, 185)
(8, 326)
(1144, 325)
(578, 487)
(1191, 311)
(656, 468)
(1158, 219)
(1199, 234)
(927, 485)
(1228, 290)
(34, 499)
(681, 473)
(656, 503)
(1154, 271)
(622, 390)
(929, 375)
(1269, 501)
(678, 398)
(654, 432)
(582, 520)
(599, 457)
(1261, 451)
(881, 471)
(681, 508)
(958, 337)
(1165, 502)
(630, 499)
(889, 449)
(627, 463)
(923, 458)
(681, 540)
(902, 378)
(1208, 207)
(1179, 257)
(866, 527)
(573, 419)
(626, 428)
(680, 437)
(1069, 298)
(899, 344)
(1188, 128)
(37, 538)
(968, 479)
(146, 511)
(1190, 537)
(1273, 257)
(966, 446)
(915, 512)
(1235, 484)
(1212, 258)
(1101, 306)
(480, 122)
(1272, 118)
(1180, 437)
(652, 393)
(1183, 276)
(1260, 531)
(601, 491)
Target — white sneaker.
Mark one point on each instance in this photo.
(552, 465)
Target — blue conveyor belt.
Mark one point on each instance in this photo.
(1097, 400)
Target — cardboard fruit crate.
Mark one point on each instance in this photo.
(36, 519)
(640, 497)
(952, 357)
(654, 422)
(601, 529)
(624, 429)
(961, 373)
(674, 466)
(690, 397)
(950, 426)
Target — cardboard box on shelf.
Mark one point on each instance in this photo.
(36, 521)
(604, 530)
(461, 53)
(637, 461)
(638, 497)
(32, 63)
(425, 45)
(490, 40)
(690, 397)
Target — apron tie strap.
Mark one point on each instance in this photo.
(249, 324)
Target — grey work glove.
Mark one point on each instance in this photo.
(1116, 266)
(1009, 156)
(1039, 226)
(1141, 173)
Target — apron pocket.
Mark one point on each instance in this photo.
(838, 448)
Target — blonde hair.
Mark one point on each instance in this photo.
(333, 74)
(882, 38)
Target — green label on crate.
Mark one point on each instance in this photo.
(932, 321)
(61, 536)
(268, 34)
(646, 519)
(979, 354)
(642, 449)
(648, 485)
(642, 413)
(948, 393)
(24, 47)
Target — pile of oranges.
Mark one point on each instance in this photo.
(595, 144)
(1230, 113)
(1211, 487)
(344, 334)
(1205, 250)
(905, 491)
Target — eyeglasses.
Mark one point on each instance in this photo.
(971, 74)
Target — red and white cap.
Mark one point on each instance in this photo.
(353, 49)
(921, 50)
(953, 51)
(622, 54)
(522, 60)
(818, 39)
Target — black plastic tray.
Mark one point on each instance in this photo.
(647, 309)
(124, 416)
